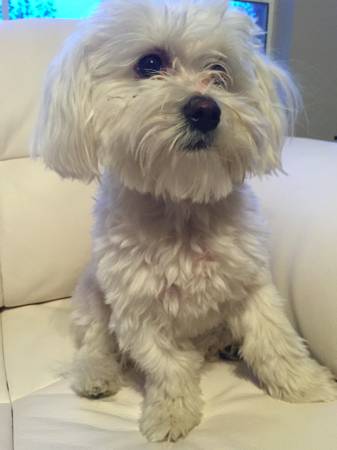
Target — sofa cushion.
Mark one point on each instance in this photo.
(5, 405)
(26, 48)
(37, 346)
(44, 232)
(301, 208)
(48, 416)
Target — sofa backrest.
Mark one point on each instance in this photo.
(35, 264)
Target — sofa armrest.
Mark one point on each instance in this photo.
(301, 208)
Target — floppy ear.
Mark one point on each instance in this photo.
(64, 134)
(275, 94)
(279, 101)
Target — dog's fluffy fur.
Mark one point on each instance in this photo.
(179, 255)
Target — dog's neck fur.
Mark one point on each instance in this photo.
(181, 217)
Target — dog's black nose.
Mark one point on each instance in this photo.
(202, 113)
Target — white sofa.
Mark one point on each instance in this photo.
(44, 244)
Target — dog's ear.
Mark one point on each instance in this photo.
(280, 101)
(64, 135)
(276, 94)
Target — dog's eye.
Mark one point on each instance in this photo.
(217, 68)
(221, 75)
(149, 65)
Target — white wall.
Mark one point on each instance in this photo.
(306, 39)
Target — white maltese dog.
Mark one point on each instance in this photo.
(171, 105)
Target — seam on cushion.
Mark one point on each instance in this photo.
(13, 158)
(6, 376)
(41, 302)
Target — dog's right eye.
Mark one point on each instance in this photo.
(149, 65)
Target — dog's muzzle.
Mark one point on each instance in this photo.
(202, 113)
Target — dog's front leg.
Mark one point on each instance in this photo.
(172, 403)
(95, 371)
(276, 354)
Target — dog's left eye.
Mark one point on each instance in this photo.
(217, 68)
(221, 75)
(149, 65)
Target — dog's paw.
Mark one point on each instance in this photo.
(94, 379)
(313, 383)
(325, 392)
(169, 419)
(94, 388)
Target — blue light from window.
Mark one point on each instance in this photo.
(258, 10)
(69, 9)
(247, 6)
(75, 8)
(81, 8)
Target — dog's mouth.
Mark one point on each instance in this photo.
(198, 142)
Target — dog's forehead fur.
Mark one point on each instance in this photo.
(189, 30)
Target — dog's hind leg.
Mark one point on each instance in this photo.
(217, 344)
(95, 370)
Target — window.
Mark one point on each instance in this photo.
(19, 9)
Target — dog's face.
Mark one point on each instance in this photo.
(174, 97)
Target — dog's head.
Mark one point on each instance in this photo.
(174, 97)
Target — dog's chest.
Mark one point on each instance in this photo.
(188, 279)
(185, 271)
(199, 278)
